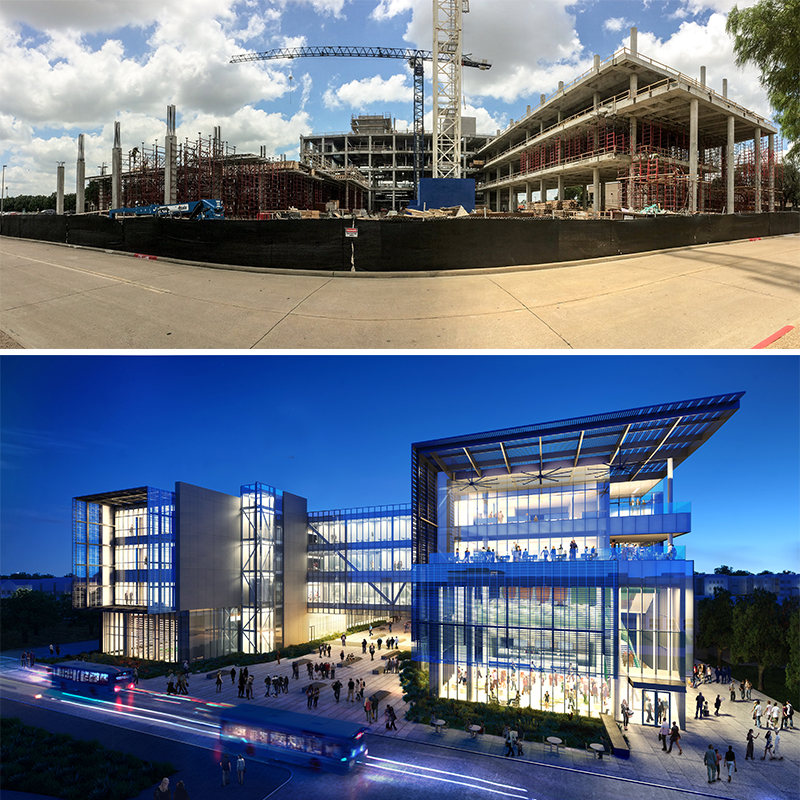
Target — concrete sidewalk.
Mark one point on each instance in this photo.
(729, 295)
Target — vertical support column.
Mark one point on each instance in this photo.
(497, 200)
(528, 194)
(171, 160)
(729, 202)
(60, 188)
(80, 178)
(669, 494)
(702, 76)
(560, 187)
(595, 190)
(116, 169)
(542, 192)
(633, 132)
(771, 157)
(634, 85)
(634, 41)
(757, 143)
(694, 108)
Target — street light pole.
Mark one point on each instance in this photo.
(2, 196)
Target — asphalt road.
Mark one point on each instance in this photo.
(732, 296)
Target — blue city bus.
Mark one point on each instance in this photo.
(84, 677)
(329, 744)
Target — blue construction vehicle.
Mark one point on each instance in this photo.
(194, 209)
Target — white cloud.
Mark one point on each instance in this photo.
(615, 24)
(362, 93)
(694, 45)
(387, 9)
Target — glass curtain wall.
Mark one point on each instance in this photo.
(262, 568)
(130, 556)
(521, 634)
(359, 560)
(92, 533)
(135, 635)
(160, 562)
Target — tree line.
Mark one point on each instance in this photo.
(756, 628)
(29, 612)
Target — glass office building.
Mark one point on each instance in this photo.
(546, 574)
(538, 564)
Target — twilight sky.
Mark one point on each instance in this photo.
(76, 66)
(338, 430)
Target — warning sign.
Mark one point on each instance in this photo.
(351, 233)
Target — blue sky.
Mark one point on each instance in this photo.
(338, 429)
(76, 66)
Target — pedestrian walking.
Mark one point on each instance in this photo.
(767, 744)
(776, 748)
(675, 739)
(741, 690)
(52, 649)
(368, 709)
(278, 656)
(391, 718)
(710, 760)
(374, 709)
(750, 739)
(777, 712)
(241, 768)
(180, 792)
(309, 696)
(757, 711)
(344, 640)
(295, 670)
(733, 692)
(162, 791)
(663, 734)
(698, 702)
(226, 769)
(380, 642)
(219, 681)
(364, 647)
(337, 688)
(267, 684)
(730, 762)
(511, 738)
(233, 675)
(58, 650)
(316, 696)
(719, 761)
(135, 674)
(717, 704)
(748, 688)
(372, 652)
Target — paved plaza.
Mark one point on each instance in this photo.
(732, 295)
(648, 763)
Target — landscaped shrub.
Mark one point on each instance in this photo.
(57, 765)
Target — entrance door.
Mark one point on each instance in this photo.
(663, 707)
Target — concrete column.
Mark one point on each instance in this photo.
(757, 143)
(595, 190)
(725, 87)
(595, 100)
(511, 199)
(116, 170)
(559, 117)
(771, 157)
(497, 200)
(542, 98)
(634, 85)
(596, 63)
(560, 187)
(602, 195)
(561, 86)
(633, 133)
(542, 192)
(80, 178)
(634, 37)
(693, 114)
(541, 127)
(702, 76)
(60, 189)
(528, 192)
(729, 202)
(171, 159)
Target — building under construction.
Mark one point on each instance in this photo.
(665, 139)
(630, 133)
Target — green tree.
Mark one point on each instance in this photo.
(758, 635)
(715, 622)
(793, 662)
(723, 570)
(766, 35)
(28, 611)
(788, 180)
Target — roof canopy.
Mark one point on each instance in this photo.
(620, 446)
(122, 498)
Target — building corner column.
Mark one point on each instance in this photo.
(694, 109)
(730, 202)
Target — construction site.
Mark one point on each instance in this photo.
(630, 139)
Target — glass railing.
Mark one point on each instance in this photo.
(657, 552)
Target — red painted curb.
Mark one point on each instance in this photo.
(775, 336)
(149, 258)
(757, 239)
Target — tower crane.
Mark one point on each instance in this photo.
(414, 58)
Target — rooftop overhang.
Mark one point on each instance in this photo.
(123, 498)
(621, 446)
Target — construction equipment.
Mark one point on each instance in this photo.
(414, 58)
(195, 209)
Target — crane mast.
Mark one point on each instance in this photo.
(447, 87)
